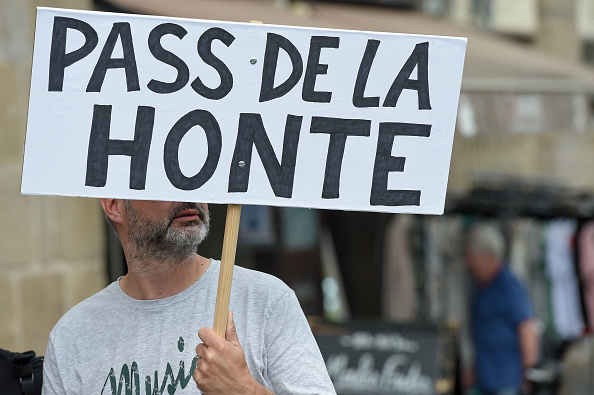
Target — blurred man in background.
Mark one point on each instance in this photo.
(505, 340)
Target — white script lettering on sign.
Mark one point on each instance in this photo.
(143, 107)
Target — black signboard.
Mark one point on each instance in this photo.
(383, 358)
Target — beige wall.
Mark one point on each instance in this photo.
(562, 158)
(52, 249)
(538, 137)
(558, 33)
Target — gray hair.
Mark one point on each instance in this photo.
(485, 237)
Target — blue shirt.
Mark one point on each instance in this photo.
(497, 310)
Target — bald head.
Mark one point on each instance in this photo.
(485, 250)
(485, 238)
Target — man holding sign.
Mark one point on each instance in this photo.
(154, 110)
(137, 335)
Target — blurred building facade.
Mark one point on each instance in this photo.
(52, 249)
(525, 114)
(528, 115)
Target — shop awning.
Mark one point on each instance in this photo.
(493, 64)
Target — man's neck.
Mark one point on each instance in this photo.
(491, 276)
(166, 283)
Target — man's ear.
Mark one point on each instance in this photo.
(113, 209)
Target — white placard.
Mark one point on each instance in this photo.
(143, 107)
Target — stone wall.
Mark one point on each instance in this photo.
(561, 159)
(52, 249)
(558, 33)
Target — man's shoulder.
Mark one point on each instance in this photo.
(262, 287)
(513, 287)
(510, 279)
(89, 310)
(244, 277)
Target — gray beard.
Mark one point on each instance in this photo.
(156, 247)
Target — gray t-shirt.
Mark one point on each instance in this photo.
(114, 344)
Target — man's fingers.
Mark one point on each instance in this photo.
(201, 350)
(196, 374)
(231, 331)
(209, 337)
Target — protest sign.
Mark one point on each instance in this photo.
(143, 107)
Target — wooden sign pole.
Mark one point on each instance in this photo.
(227, 263)
(226, 274)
